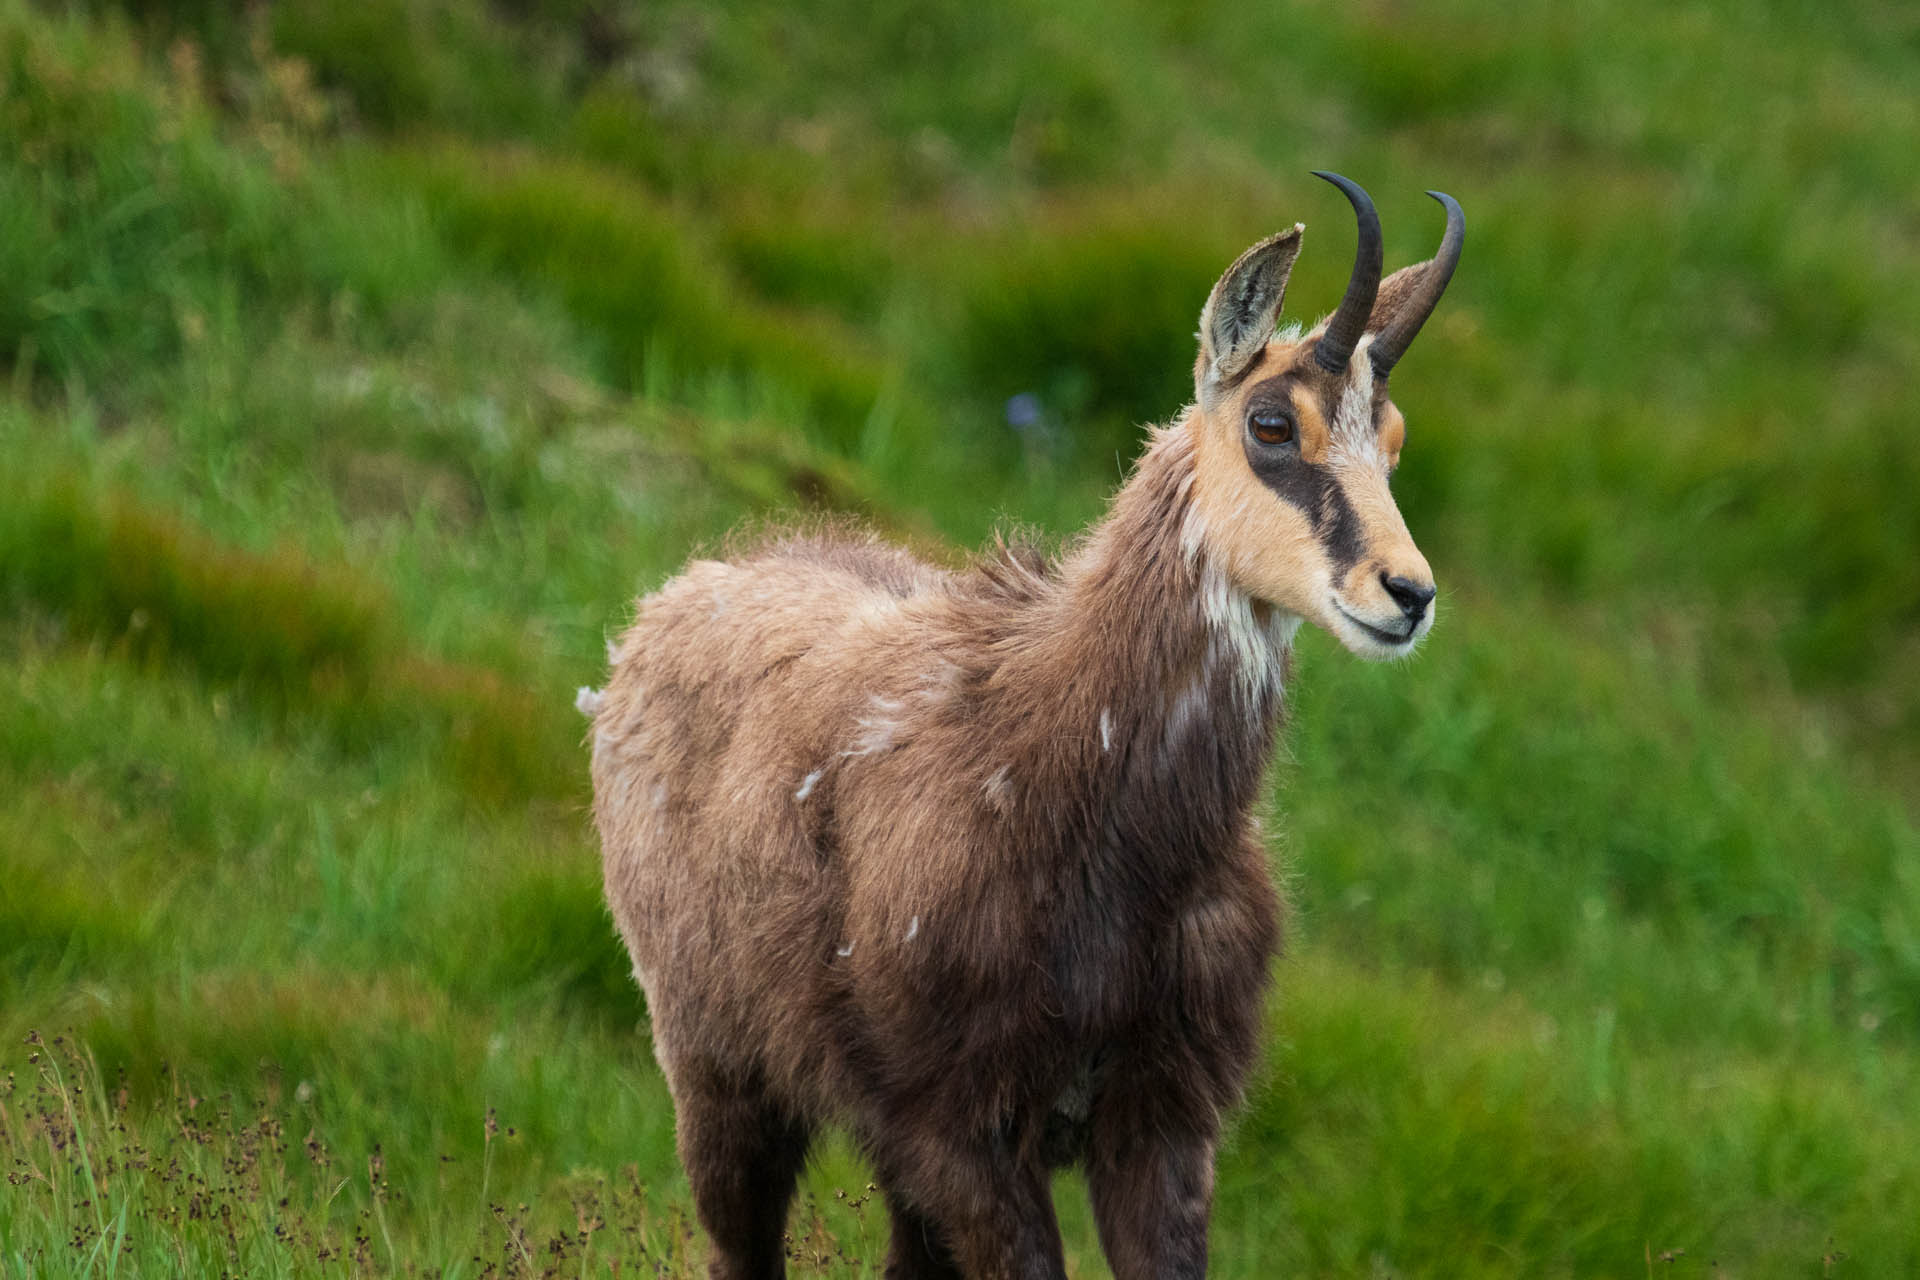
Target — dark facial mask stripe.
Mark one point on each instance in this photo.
(1314, 491)
(1338, 527)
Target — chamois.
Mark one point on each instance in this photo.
(964, 860)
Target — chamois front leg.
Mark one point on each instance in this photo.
(1150, 1176)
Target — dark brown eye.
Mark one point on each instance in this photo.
(1271, 426)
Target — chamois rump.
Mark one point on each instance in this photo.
(963, 860)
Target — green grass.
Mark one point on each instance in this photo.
(359, 370)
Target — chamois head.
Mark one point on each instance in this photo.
(1296, 439)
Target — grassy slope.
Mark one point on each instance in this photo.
(352, 397)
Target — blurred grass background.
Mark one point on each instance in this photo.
(362, 362)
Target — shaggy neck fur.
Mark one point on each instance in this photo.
(1132, 692)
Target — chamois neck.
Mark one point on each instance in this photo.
(1143, 581)
(1145, 653)
(1130, 591)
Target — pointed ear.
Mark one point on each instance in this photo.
(1395, 291)
(1245, 306)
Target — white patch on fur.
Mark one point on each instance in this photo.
(876, 731)
(1235, 634)
(807, 784)
(1255, 652)
(1354, 439)
(1193, 534)
(1189, 709)
(613, 653)
(937, 683)
(844, 952)
(876, 610)
(996, 787)
(913, 930)
(1106, 729)
(588, 701)
(659, 795)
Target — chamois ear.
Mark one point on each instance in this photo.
(1396, 292)
(1407, 297)
(1244, 307)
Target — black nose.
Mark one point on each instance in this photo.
(1412, 597)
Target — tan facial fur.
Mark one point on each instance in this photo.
(1334, 570)
(1295, 440)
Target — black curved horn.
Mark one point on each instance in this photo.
(1391, 342)
(1336, 345)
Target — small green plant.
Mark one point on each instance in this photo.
(104, 1181)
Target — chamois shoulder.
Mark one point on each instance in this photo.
(842, 554)
(1013, 570)
(774, 599)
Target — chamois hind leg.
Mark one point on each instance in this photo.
(1150, 1176)
(915, 1250)
(978, 1209)
(743, 1155)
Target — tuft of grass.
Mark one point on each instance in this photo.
(275, 625)
(624, 266)
(1537, 1144)
(112, 568)
(256, 1182)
